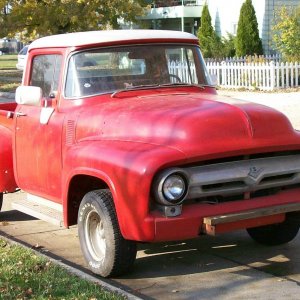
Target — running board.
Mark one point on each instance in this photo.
(40, 208)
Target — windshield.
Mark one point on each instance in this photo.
(111, 69)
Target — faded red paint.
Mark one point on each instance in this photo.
(125, 140)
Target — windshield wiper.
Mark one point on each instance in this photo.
(134, 88)
(155, 86)
(182, 84)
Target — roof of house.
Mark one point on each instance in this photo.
(78, 39)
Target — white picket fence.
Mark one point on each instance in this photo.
(263, 76)
(183, 71)
(248, 58)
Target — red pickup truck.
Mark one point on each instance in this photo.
(122, 133)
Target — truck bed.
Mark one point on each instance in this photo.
(7, 180)
(6, 113)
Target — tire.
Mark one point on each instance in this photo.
(105, 250)
(275, 234)
(1, 200)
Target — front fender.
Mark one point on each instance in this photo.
(128, 169)
(7, 179)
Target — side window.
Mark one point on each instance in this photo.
(181, 65)
(45, 73)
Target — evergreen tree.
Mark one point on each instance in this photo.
(229, 45)
(206, 33)
(248, 41)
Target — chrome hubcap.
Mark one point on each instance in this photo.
(95, 236)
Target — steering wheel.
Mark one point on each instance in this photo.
(178, 80)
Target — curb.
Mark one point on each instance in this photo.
(105, 285)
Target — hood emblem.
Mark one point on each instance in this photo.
(254, 172)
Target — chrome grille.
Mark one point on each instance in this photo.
(238, 177)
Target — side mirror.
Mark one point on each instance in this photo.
(29, 95)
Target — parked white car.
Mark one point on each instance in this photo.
(22, 57)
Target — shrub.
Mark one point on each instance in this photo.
(286, 33)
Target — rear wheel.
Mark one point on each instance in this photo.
(1, 200)
(275, 234)
(104, 248)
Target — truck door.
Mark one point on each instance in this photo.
(37, 145)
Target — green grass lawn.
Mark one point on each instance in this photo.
(8, 62)
(10, 77)
(26, 275)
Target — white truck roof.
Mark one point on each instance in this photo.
(107, 36)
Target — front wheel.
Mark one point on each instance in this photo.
(104, 248)
(275, 234)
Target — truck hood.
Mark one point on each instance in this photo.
(194, 123)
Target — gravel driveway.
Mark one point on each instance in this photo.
(287, 103)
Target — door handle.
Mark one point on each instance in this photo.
(20, 114)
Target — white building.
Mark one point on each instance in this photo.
(185, 15)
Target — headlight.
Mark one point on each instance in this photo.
(173, 187)
(170, 187)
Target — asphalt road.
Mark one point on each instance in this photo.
(230, 266)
